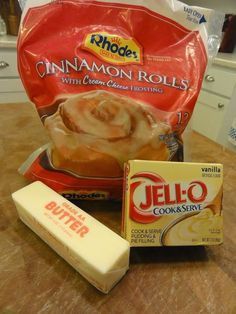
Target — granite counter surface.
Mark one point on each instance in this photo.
(34, 279)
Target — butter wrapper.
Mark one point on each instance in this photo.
(172, 203)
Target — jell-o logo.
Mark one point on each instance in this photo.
(149, 191)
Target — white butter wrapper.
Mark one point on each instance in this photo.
(96, 252)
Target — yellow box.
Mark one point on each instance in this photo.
(172, 203)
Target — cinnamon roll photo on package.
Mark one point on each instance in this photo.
(112, 82)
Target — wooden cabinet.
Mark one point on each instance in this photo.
(11, 88)
(220, 80)
(213, 101)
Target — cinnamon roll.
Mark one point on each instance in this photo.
(94, 133)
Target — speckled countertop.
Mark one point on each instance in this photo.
(8, 41)
(226, 60)
(34, 279)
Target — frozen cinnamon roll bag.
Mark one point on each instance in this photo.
(112, 82)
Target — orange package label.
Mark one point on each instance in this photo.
(172, 204)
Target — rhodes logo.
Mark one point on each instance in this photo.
(113, 48)
(85, 195)
(151, 197)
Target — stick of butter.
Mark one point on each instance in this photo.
(96, 252)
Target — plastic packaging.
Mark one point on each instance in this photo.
(111, 82)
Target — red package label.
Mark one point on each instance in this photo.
(111, 83)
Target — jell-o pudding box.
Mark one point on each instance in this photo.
(172, 203)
